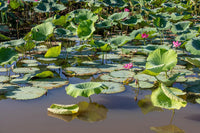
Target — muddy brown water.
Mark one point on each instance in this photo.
(122, 115)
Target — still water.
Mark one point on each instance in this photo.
(117, 113)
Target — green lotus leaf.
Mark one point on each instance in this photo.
(42, 32)
(85, 29)
(8, 56)
(85, 89)
(142, 84)
(149, 48)
(44, 74)
(193, 46)
(122, 74)
(12, 43)
(4, 78)
(113, 87)
(26, 93)
(4, 69)
(25, 70)
(144, 77)
(198, 100)
(53, 52)
(54, 67)
(49, 83)
(4, 5)
(180, 26)
(91, 112)
(61, 20)
(82, 70)
(146, 105)
(100, 45)
(110, 56)
(165, 98)
(83, 15)
(23, 80)
(193, 61)
(161, 23)
(194, 89)
(161, 60)
(167, 129)
(109, 67)
(25, 47)
(133, 20)
(27, 61)
(47, 59)
(105, 24)
(186, 37)
(168, 81)
(176, 16)
(14, 4)
(107, 77)
(4, 38)
(63, 109)
(6, 87)
(60, 32)
(137, 34)
(44, 7)
(118, 16)
(119, 40)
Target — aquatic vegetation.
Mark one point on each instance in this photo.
(63, 109)
(176, 44)
(53, 52)
(128, 66)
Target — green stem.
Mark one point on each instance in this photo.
(157, 79)
(172, 116)
(166, 75)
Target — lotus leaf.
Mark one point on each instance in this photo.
(133, 20)
(165, 98)
(143, 85)
(111, 56)
(122, 74)
(91, 112)
(54, 67)
(63, 109)
(136, 34)
(6, 87)
(146, 105)
(42, 32)
(109, 67)
(105, 24)
(187, 36)
(119, 40)
(144, 77)
(53, 52)
(25, 70)
(198, 100)
(44, 74)
(194, 89)
(4, 78)
(113, 87)
(176, 16)
(3, 5)
(85, 29)
(82, 70)
(161, 23)
(160, 60)
(85, 89)
(29, 61)
(193, 61)
(30, 65)
(193, 46)
(180, 27)
(8, 56)
(26, 93)
(4, 69)
(47, 59)
(13, 43)
(49, 83)
(60, 32)
(110, 78)
(118, 16)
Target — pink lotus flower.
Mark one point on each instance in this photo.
(8, 1)
(36, 0)
(176, 44)
(128, 66)
(144, 35)
(126, 10)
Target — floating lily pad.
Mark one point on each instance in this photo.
(85, 89)
(122, 74)
(7, 87)
(53, 52)
(53, 67)
(144, 77)
(29, 61)
(107, 77)
(30, 65)
(47, 59)
(25, 70)
(26, 93)
(142, 84)
(110, 67)
(4, 69)
(113, 87)
(49, 83)
(4, 78)
(110, 56)
(44, 74)
(63, 109)
(82, 70)
(193, 90)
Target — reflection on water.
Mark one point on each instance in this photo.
(146, 105)
(194, 117)
(90, 112)
(168, 128)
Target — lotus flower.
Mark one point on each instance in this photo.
(144, 35)
(8, 1)
(176, 44)
(128, 66)
(126, 10)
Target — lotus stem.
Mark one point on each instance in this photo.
(166, 75)
(173, 114)
(157, 79)
(90, 99)
(144, 41)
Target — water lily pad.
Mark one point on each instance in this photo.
(192, 46)
(54, 67)
(4, 78)
(110, 67)
(142, 84)
(30, 65)
(198, 100)
(47, 59)
(195, 89)
(25, 70)
(63, 109)
(122, 74)
(6, 87)
(144, 77)
(44, 74)
(26, 93)
(110, 56)
(49, 83)
(85, 89)
(113, 87)
(180, 26)
(82, 70)
(107, 77)
(4, 69)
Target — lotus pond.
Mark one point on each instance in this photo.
(99, 66)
